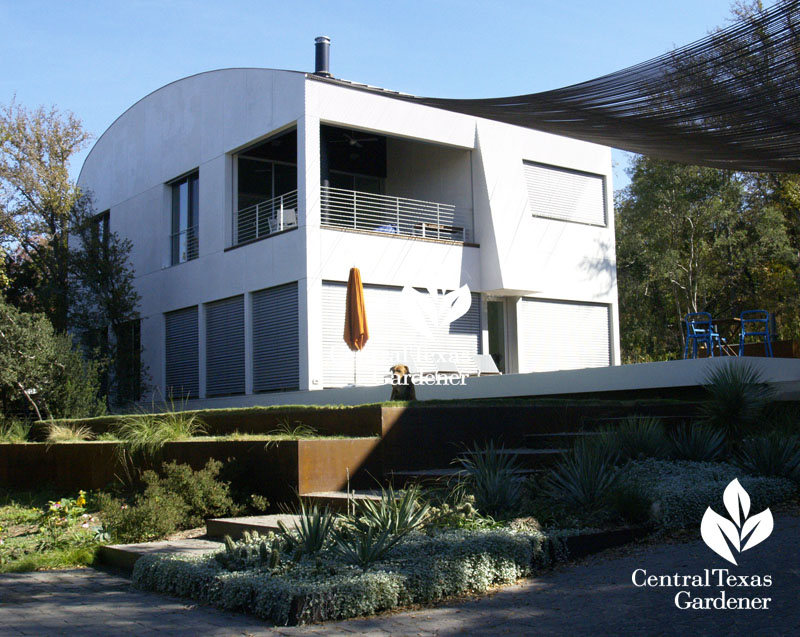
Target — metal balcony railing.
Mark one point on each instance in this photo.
(184, 245)
(354, 210)
(265, 218)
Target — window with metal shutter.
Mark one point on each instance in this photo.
(276, 339)
(554, 335)
(392, 339)
(181, 353)
(225, 347)
(567, 195)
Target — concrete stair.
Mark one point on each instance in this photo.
(561, 441)
(338, 500)
(124, 556)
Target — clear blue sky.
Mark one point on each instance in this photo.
(96, 58)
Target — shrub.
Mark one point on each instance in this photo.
(636, 437)
(202, 493)
(583, 479)
(697, 442)
(150, 518)
(681, 491)
(772, 455)
(737, 396)
(629, 503)
(492, 476)
(64, 432)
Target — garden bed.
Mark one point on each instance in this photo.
(319, 588)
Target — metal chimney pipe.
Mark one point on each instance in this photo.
(322, 46)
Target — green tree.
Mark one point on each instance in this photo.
(695, 239)
(42, 368)
(104, 301)
(37, 197)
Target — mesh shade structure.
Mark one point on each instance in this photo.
(730, 100)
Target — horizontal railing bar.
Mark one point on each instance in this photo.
(402, 216)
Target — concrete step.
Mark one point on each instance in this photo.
(438, 476)
(610, 421)
(528, 458)
(337, 500)
(235, 527)
(561, 440)
(124, 556)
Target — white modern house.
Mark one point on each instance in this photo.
(248, 195)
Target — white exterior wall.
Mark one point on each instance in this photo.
(200, 121)
(428, 172)
(533, 256)
(193, 123)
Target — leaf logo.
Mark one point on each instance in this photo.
(740, 532)
(432, 311)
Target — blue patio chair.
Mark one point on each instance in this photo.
(756, 323)
(700, 330)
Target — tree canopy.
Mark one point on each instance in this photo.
(701, 239)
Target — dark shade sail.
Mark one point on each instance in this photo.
(730, 100)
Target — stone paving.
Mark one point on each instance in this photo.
(595, 597)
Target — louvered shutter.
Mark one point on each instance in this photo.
(554, 335)
(181, 353)
(567, 195)
(392, 339)
(276, 339)
(225, 347)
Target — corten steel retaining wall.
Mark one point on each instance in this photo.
(278, 471)
(419, 436)
(422, 437)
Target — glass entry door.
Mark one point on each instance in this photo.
(496, 320)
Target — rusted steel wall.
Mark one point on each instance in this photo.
(278, 470)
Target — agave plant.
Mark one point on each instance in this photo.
(636, 437)
(313, 529)
(737, 398)
(363, 545)
(772, 455)
(697, 442)
(584, 478)
(492, 476)
(398, 513)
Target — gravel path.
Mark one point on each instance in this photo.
(595, 597)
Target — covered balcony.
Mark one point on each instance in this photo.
(394, 186)
(369, 183)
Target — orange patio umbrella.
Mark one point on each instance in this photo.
(356, 333)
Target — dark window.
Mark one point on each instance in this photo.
(185, 202)
(100, 229)
(129, 361)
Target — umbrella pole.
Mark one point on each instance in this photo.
(354, 368)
